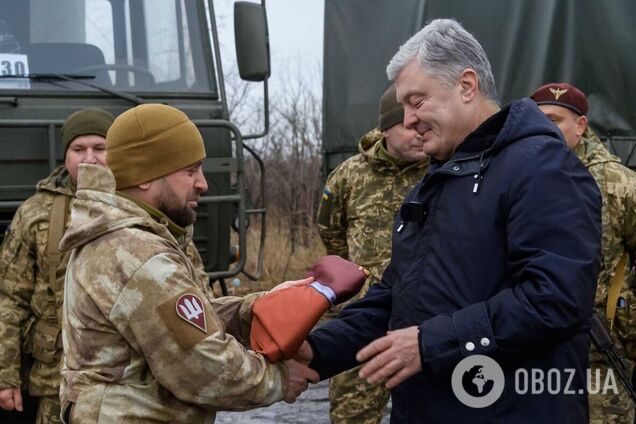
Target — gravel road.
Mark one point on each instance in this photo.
(311, 408)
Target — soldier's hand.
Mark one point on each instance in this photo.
(298, 378)
(392, 358)
(305, 354)
(11, 399)
(295, 283)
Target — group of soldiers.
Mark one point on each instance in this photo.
(363, 194)
(108, 328)
(131, 232)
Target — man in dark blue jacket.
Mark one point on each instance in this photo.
(495, 253)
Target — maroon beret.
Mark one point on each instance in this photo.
(561, 94)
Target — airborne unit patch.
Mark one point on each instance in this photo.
(190, 308)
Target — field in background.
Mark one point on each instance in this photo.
(287, 256)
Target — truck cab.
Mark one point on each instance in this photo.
(59, 56)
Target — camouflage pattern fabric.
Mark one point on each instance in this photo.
(353, 400)
(143, 338)
(355, 219)
(28, 311)
(29, 327)
(618, 188)
(49, 410)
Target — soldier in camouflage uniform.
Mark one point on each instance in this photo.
(355, 219)
(144, 339)
(30, 306)
(567, 106)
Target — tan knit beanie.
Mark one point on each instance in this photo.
(391, 112)
(150, 141)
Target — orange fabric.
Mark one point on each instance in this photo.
(283, 319)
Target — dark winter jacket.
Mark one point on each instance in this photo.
(498, 255)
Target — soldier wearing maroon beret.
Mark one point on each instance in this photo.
(567, 107)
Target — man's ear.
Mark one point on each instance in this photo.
(468, 83)
(581, 125)
(144, 186)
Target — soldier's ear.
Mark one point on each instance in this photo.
(144, 186)
(581, 125)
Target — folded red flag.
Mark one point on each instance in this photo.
(283, 319)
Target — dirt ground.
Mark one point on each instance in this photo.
(311, 408)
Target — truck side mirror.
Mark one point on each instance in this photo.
(252, 41)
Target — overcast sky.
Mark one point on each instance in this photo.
(296, 39)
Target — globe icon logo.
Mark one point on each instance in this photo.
(478, 381)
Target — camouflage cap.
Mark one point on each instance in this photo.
(90, 121)
(561, 94)
(391, 112)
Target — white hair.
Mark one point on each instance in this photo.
(445, 49)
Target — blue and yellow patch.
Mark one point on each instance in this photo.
(325, 194)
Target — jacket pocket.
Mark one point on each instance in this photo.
(46, 342)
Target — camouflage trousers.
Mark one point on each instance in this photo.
(611, 407)
(48, 410)
(352, 400)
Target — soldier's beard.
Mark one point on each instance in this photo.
(181, 215)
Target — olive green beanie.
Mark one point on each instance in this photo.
(150, 141)
(90, 121)
(391, 112)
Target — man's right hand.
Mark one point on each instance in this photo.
(11, 399)
(298, 378)
(305, 354)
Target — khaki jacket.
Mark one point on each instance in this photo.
(618, 188)
(29, 324)
(144, 340)
(360, 201)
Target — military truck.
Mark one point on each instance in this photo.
(59, 56)
(588, 43)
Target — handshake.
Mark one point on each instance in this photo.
(283, 318)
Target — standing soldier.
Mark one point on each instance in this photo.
(32, 274)
(567, 107)
(355, 219)
(144, 340)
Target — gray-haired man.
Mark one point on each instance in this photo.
(495, 253)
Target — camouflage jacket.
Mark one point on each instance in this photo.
(360, 201)
(144, 340)
(28, 307)
(618, 188)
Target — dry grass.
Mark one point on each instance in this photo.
(280, 264)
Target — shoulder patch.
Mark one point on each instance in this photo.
(186, 318)
(190, 308)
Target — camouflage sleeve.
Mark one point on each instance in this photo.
(17, 281)
(236, 314)
(629, 225)
(332, 214)
(164, 314)
(193, 254)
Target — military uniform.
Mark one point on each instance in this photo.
(618, 188)
(29, 319)
(355, 218)
(30, 310)
(144, 340)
